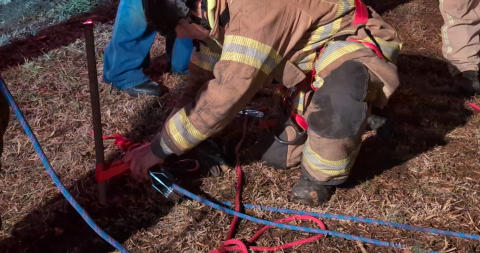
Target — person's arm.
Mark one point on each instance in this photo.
(244, 67)
(251, 52)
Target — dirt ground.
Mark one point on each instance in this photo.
(428, 175)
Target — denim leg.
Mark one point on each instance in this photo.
(127, 53)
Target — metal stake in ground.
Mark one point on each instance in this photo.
(95, 102)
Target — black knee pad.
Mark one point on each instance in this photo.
(340, 101)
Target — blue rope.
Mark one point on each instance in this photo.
(360, 219)
(51, 172)
(285, 226)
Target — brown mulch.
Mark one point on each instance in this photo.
(427, 175)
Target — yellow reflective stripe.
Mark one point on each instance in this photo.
(306, 63)
(211, 6)
(300, 101)
(325, 161)
(334, 51)
(247, 60)
(323, 33)
(318, 82)
(341, 10)
(328, 167)
(316, 38)
(324, 171)
(205, 59)
(450, 20)
(446, 41)
(250, 52)
(192, 130)
(176, 136)
(254, 44)
(184, 134)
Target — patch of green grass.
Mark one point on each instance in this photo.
(19, 19)
(70, 8)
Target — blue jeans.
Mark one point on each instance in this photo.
(128, 52)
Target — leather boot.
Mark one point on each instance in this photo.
(310, 191)
(468, 82)
(150, 88)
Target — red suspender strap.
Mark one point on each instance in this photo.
(300, 120)
(371, 46)
(361, 18)
(361, 13)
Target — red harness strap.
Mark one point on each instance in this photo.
(361, 13)
(371, 46)
(361, 18)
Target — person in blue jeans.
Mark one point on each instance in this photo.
(128, 52)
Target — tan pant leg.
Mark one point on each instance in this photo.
(460, 33)
(330, 160)
(337, 119)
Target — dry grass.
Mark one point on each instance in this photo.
(426, 176)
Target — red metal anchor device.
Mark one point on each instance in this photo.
(103, 171)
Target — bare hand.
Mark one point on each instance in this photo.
(141, 159)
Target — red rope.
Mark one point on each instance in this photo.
(237, 245)
(474, 106)
(238, 187)
(230, 244)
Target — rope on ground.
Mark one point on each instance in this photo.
(237, 245)
(285, 226)
(361, 219)
(38, 148)
(474, 106)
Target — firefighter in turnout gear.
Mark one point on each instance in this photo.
(461, 41)
(335, 56)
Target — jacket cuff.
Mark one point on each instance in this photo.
(159, 150)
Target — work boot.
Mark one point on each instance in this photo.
(468, 82)
(150, 88)
(310, 191)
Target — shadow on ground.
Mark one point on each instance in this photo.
(57, 227)
(423, 110)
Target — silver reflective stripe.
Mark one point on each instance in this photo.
(165, 148)
(192, 141)
(251, 52)
(319, 165)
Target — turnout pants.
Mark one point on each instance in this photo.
(336, 115)
(460, 33)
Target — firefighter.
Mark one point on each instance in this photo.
(336, 57)
(461, 41)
